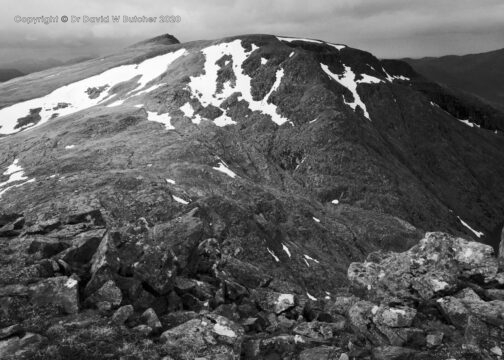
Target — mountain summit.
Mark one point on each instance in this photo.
(226, 186)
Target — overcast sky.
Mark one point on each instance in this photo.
(387, 28)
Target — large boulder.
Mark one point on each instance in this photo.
(107, 296)
(435, 266)
(104, 264)
(83, 247)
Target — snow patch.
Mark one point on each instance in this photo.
(160, 118)
(179, 200)
(311, 297)
(311, 259)
(224, 169)
(16, 174)
(475, 232)
(204, 87)
(347, 79)
(273, 254)
(68, 147)
(335, 202)
(391, 78)
(263, 61)
(368, 79)
(286, 249)
(170, 181)
(468, 123)
(316, 220)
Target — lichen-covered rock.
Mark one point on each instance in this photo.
(15, 347)
(273, 301)
(151, 319)
(319, 330)
(108, 293)
(83, 247)
(122, 314)
(104, 264)
(60, 291)
(322, 353)
(432, 267)
(274, 347)
(393, 353)
(210, 336)
(393, 316)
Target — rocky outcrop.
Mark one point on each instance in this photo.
(436, 295)
(435, 266)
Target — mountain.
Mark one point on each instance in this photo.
(220, 197)
(7, 74)
(481, 75)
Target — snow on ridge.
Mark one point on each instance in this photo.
(224, 169)
(475, 232)
(75, 94)
(160, 118)
(289, 39)
(204, 86)
(347, 79)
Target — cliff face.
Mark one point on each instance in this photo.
(233, 179)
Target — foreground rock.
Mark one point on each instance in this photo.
(208, 336)
(435, 266)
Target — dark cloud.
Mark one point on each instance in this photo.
(387, 28)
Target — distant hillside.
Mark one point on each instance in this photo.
(7, 74)
(27, 66)
(478, 74)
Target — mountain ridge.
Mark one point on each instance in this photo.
(232, 174)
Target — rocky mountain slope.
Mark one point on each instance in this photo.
(479, 74)
(212, 195)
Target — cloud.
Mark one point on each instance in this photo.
(388, 28)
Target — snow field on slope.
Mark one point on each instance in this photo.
(347, 79)
(16, 174)
(204, 87)
(75, 93)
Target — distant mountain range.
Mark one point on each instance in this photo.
(7, 74)
(13, 69)
(481, 75)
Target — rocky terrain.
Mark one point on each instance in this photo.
(254, 197)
